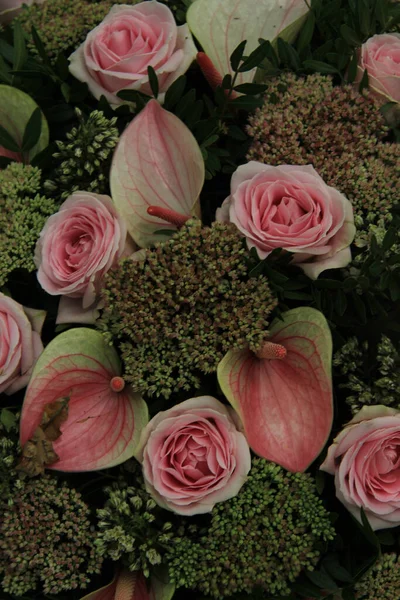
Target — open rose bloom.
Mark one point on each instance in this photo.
(20, 343)
(117, 53)
(380, 56)
(193, 456)
(77, 246)
(291, 207)
(365, 459)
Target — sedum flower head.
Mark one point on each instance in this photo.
(382, 581)
(337, 130)
(177, 312)
(23, 213)
(381, 386)
(83, 160)
(46, 538)
(132, 527)
(9, 451)
(64, 24)
(264, 537)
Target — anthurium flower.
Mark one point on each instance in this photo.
(10, 8)
(220, 26)
(283, 396)
(105, 417)
(157, 163)
(128, 585)
(16, 109)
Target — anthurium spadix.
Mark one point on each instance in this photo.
(283, 396)
(128, 585)
(105, 417)
(157, 169)
(220, 26)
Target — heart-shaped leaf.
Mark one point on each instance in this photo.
(285, 402)
(220, 26)
(157, 163)
(16, 110)
(128, 585)
(105, 418)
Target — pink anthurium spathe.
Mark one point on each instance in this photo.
(157, 163)
(283, 396)
(128, 585)
(220, 26)
(105, 417)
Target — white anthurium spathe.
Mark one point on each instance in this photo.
(220, 26)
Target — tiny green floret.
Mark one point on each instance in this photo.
(264, 537)
(382, 581)
(46, 539)
(83, 159)
(178, 311)
(23, 213)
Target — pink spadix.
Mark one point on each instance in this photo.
(168, 215)
(210, 72)
(272, 351)
(117, 384)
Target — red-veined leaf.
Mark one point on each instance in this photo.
(103, 425)
(285, 404)
(157, 163)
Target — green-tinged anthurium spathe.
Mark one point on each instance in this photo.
(157, 165)
(105, 417)
(221, 25)
(16, 109)
(283, 395)
(128, 585)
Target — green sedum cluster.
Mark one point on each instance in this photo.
(83, 160)
(9, 450)
(264, 537)
(176, 313)
(63, 25)
(132, 527)
(382, 582)
(368, 386)
(337, 130)
(46, 538)
(23, 213)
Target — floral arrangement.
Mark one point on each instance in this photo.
(199, 299)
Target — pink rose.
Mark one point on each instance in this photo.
(78, 245)
(193, 456)
(380, 55)
(116, 54)
(291, 207)
(365, 459)
(20, 343)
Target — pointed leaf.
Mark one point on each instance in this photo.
(128, 585)
(103, 425)
(285, 404)
(220, 26)
(16, 109)
(159, 163)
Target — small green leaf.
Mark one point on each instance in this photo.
(40, 47)
(7, 141)
(246, 102)
(320, 481)
(255, 58)
(334, 568)
(352, 70)
(7, 419)
(319, 66)
(174, 92)
(350, 35)
(322, 580)
(288, 55)
(306, 33)
(153, 80)
(389, 239)
(364, 83)
(20, 53)
(250, 88)
(237, 55)
(32, 131)
(5, 75)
